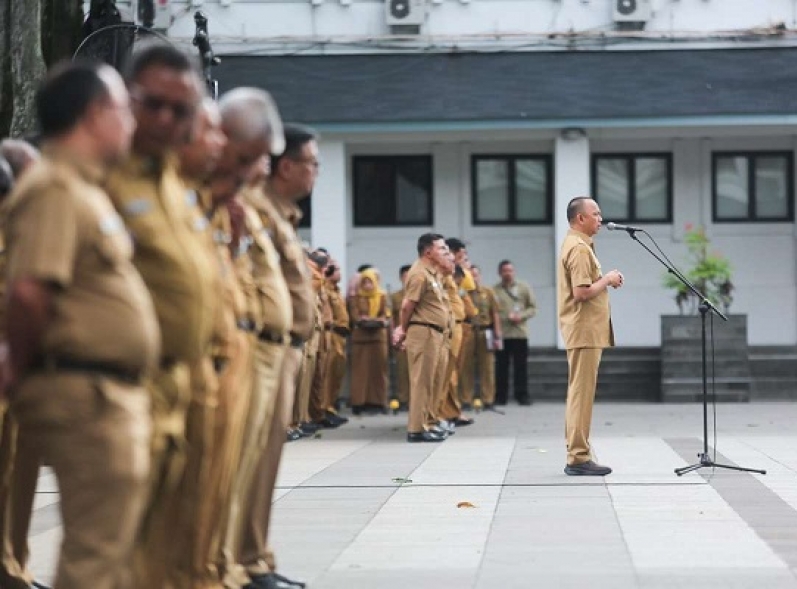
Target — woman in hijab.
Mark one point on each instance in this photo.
(369, 344)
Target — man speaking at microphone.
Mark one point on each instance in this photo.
(586, 326)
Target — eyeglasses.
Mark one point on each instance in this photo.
(313, 163)
(154, 104)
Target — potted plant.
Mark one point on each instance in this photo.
(710, 272)
(681, 359)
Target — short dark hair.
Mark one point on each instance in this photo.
(503, 263)
(426, 240)
(66, 94)
(455, 245)
(403, 269)
(363, 267)
(158, 53)
(6, 178)
(296, 137)
(575, 206)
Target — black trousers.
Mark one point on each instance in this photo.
(516, 350)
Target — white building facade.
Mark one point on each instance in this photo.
(482, 121)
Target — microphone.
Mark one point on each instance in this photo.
(615, 227)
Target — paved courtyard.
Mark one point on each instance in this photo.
(491, 508)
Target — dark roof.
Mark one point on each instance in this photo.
(539, 85)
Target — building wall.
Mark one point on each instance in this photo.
(254, 20)
(763, 255)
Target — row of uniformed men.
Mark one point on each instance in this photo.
(447, 319)
(158, 309)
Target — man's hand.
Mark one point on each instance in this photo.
(615, 279)
(515, 318)
(237, 221)
(398, 337)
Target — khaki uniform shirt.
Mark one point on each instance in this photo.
(396, 299)
(456, 302)
(340, 314)
(518, 298)
(486, 305)
(585, 324)
(233, 303)
(424, 287)
(168, 232)
(62, 229)
(275, 311)
(280, 219)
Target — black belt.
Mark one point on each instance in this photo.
(55, 364)
(296, 341)
(246, 325)
(274, 337)
(490, 326)
(429, 325)
(340, 330)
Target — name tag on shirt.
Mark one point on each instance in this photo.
(111, 224)
(137, 207)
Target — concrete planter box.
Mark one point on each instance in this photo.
(681, 376)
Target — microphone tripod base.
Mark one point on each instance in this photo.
(707, 462)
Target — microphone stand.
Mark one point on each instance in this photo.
(704, 459)
(202, 43)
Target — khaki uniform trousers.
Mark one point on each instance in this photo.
(301, 403)
(155, 545)
(425, 353)
(19, 473)
(582, 379)
(95, 433)
(317, 396)
(335, 371)
(188, 565)
(256, 556)
(214, 430)
(402, 376)
(447, 405)
(265, 382)
(466, 364)
(485, 363)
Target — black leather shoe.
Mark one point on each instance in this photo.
(328, 423)
(524, 401)
(335, 417)
(293, 435)
(357, 409)
(463, 421)
(297, 584)
(426, 436)
(308, 429)
(273, 581)
(587, 468)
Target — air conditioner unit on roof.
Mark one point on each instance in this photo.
(632, 11)
(405, 12)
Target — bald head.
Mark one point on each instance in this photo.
(19, 155)
(250, 113)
